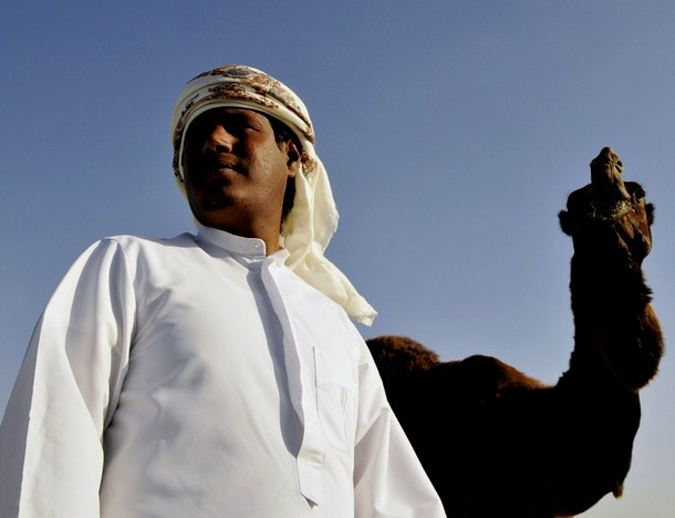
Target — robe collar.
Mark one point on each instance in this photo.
(250, 248)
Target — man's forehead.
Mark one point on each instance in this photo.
(230, 112)
(235, 110)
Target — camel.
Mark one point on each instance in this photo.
(496, 442)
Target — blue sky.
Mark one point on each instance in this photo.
(452, 132)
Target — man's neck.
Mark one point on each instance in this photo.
(268, 235)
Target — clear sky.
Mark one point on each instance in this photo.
(452, 132)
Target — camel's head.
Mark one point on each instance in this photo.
(606, 169)
(608, 201)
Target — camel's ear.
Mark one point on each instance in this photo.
(650, 213)
(636, 190)
(568, 223)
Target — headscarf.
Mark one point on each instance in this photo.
(311, 223)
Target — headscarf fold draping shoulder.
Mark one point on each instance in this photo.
(311, 223)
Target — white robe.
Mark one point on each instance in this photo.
(197, 377)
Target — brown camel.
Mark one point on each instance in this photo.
(498, 443)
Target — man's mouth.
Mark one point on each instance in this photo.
(216, 169)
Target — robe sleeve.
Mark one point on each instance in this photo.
(51, 455)
(389, 480)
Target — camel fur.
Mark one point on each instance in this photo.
(496, 442)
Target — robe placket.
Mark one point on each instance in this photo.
(298, 358)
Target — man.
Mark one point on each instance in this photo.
(212, 375)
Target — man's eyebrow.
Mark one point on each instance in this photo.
(241, 117)
(252, 116)
(225, 117)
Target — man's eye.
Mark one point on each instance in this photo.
(243, 124)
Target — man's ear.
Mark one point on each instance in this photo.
(293, 156)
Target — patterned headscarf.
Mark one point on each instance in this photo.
(311, 223)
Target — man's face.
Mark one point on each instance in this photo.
(235, 171)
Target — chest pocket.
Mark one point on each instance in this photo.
(336, 399)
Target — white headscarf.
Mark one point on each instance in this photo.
(311, 223)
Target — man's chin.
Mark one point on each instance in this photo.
(218, 205)
(223, 216)
(211, 205)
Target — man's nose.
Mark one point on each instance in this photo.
(218, 140)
